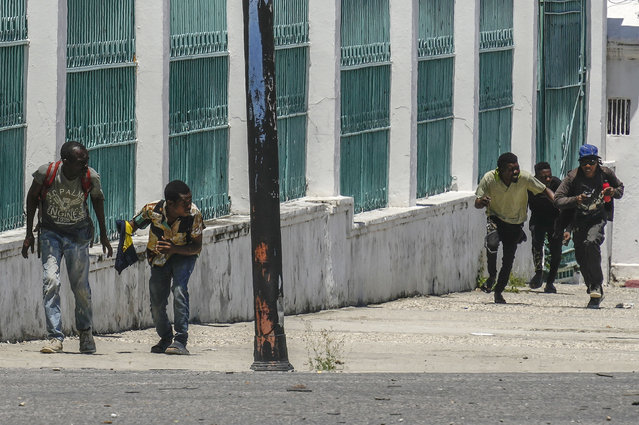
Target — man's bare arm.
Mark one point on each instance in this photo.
(32, 206)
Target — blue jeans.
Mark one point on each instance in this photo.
(75, 250)
(178, 267)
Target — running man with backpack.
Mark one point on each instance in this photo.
(59, 192)
(587, 194)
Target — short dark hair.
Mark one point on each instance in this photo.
(66, 151)
(543, 165)
(506, 158)
(174, 189)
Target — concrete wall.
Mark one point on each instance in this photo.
(622, 75)
(329, 261)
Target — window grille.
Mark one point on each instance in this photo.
(291, 71)
(13, 42)
(198, 102)
(365, 102)
(561, 84)
(495, 81)
(618, 123)
(100, 102)
(435, 96)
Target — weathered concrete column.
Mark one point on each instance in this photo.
(596, 95)
(238, 166)
(464, 164)
(523, 142)
(402, 161)
(46, 83)
(266, 242)
(152, 32)
(322, 146)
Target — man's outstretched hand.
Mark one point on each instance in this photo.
(106, 246)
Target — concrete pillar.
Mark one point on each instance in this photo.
(152, 99)
(46, 83)
(322, 146)
(525, 83)
(238, 148)
(596, 94)
(465, 148)
(402, 161)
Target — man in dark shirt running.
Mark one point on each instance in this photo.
(545, 222)
(588, 191)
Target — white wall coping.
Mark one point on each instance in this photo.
(292, 213)
(383, 218)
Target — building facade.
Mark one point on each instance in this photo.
(389, 112)
(622, 130)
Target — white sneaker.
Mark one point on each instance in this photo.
(596, 292)
(54, 345)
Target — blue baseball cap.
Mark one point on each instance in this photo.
(588, 150)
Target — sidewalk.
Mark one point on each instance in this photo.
(460, 333)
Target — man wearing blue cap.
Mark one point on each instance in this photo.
(587, 191)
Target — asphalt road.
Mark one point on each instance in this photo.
(86, 396)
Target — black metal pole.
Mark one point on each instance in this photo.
(270, 352)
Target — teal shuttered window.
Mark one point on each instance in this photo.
(13, 42)
(435, 96)
(561, 95)
(100, 97)
(365, 102)
(291, 70)
(198, 102)
(495, 81)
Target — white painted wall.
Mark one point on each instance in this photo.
(328, 261)
(597, 77)
(46, 83)
(622, 75)
(524, 83)
(402, 164)
(152, 51)
(465, 146)
(323, 127)
(238, 147)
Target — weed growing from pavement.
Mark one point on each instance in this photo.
(324, 350)
(514, 283)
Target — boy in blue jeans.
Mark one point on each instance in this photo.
(175, 240)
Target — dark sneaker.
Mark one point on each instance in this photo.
(488, 284)
(177, 348)
(54, 345)
(161, 346)
(87, 344)
(594, 303)
(499, 298)
(550, 289)
(536, 281)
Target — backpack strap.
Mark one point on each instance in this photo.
(86, 184)
(48, 178)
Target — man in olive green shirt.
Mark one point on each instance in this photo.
(504, 194)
